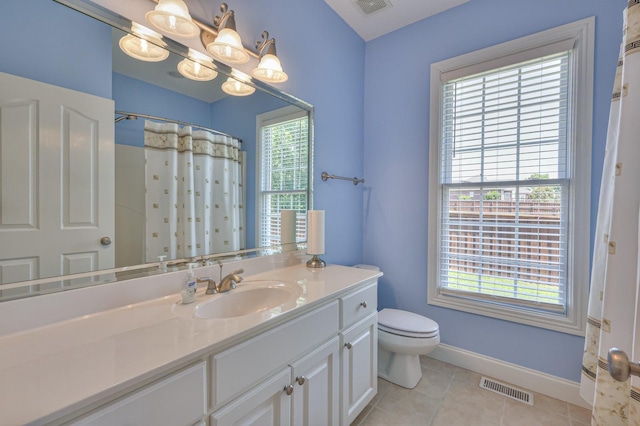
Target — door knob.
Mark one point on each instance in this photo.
(620, 368)
(105, 241)
(288, 389)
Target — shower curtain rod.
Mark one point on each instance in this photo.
(134, 116)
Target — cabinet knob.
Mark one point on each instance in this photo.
(301, 380)
(288, 389)
(348, 345)
(363, 304)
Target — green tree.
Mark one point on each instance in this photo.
(493, 195)
(543, 193)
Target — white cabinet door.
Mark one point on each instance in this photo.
(56, 180)
(267, 404)
(359, 367)
(315, 380)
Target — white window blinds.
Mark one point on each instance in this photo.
(504, 177)
(284, 175)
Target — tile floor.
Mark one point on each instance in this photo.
(451, 396)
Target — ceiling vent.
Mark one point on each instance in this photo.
(371, 6)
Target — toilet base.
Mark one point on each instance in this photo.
(403, 370)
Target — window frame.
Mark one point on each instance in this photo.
(580, 36)
(276, 116)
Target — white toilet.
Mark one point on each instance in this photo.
(402, 337)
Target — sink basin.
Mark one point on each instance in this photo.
(251, 297)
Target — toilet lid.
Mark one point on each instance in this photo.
(406, 323)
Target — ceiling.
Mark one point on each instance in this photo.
(387, 15)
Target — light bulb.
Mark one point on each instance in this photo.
(137, 46)
(228, 47)
(172, 17)
(270, 70)
(197, 67)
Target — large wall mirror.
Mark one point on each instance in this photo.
(165, 129)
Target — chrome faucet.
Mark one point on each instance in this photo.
(211, 286)
(230, 281)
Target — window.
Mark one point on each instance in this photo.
(283, 172)
(510, 154)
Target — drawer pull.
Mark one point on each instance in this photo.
(348, 345)
(301, 380)
(288, 389)
(363, 304)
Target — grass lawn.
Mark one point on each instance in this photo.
(504, 287)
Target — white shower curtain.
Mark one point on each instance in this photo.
(194, 192)
(613, 317)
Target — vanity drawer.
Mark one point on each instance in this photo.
(237, 369)
(358, 305)
(179, 399)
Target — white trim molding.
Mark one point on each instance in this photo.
(527, 378)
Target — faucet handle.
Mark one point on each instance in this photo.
(211, 286)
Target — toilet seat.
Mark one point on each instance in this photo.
(407, 324)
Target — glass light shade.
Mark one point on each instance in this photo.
(228, 47)
(237, 88)
(172, 17)
(198, 67)
(270, 70)
(140, 48)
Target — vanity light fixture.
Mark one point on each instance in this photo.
(227, 46)
(143, 44)
(234, 85)
(269, 69)
(197, 67)
(172, 17)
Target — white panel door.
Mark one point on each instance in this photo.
(316, 385)
(56, 180)
(359, 367)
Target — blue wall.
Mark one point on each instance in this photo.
(325, 61)
(133, 95)
(46, 41)
(396, 160)
(336, 91)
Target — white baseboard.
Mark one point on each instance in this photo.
(536, 381)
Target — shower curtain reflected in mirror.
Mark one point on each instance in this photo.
(194, 192)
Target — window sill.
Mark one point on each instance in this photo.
(568, 324)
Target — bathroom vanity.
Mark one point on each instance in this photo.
(308, 357)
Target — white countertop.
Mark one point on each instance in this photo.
(50, 371)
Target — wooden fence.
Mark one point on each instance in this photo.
(533, 241)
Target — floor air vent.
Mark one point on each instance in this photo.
(506, 390)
